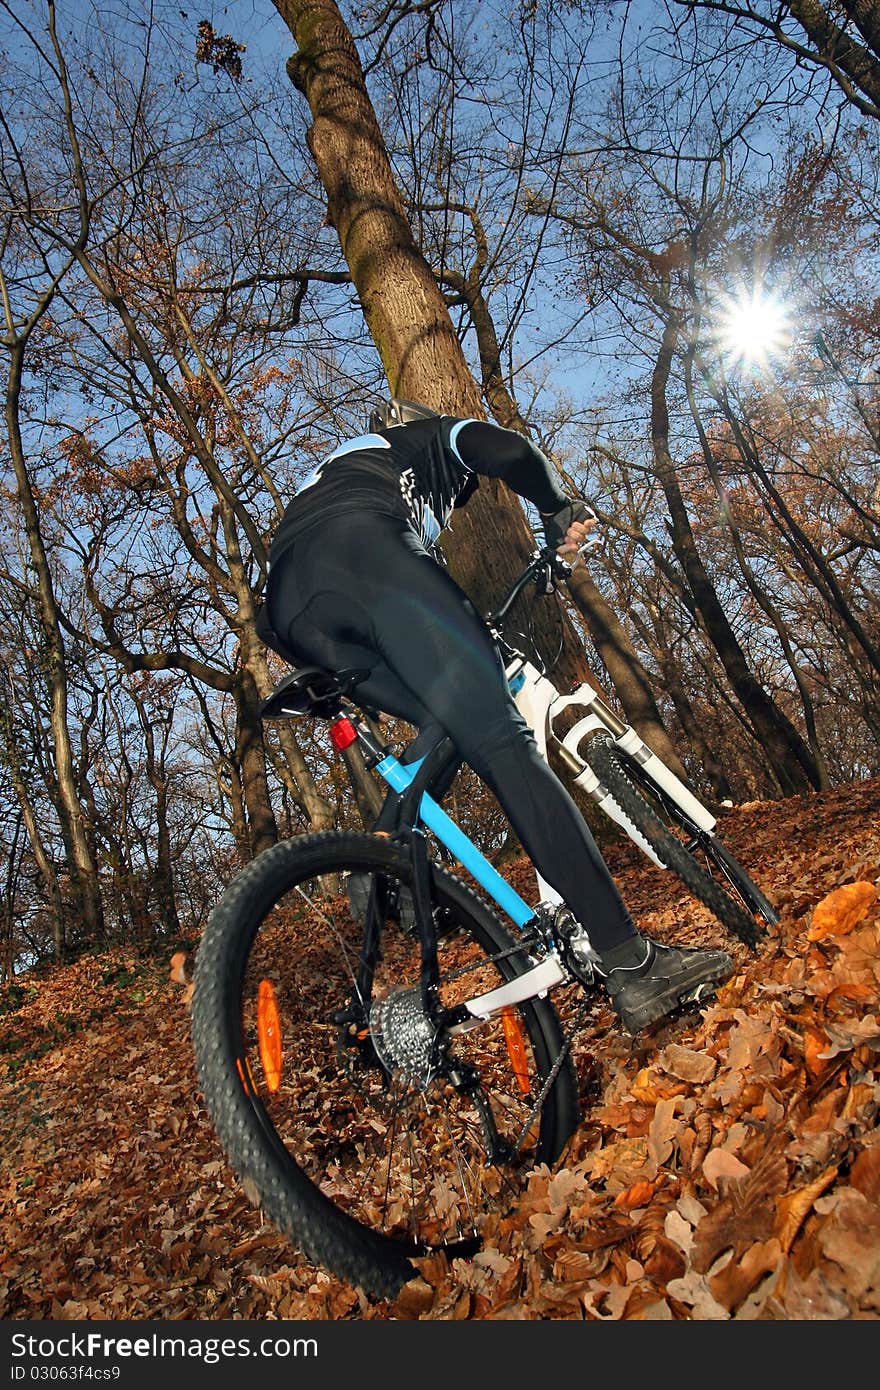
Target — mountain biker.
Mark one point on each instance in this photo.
(352, 583)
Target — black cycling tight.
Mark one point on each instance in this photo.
(359, 590)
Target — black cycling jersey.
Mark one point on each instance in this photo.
(420, 471)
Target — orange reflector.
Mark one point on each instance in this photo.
(239, 1066)
(516, 1047)
(342, 734)
(269, 1034)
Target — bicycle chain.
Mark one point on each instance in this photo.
(550, 1078)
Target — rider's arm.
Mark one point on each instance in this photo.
(495, 452)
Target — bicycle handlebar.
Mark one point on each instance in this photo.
(545, 567)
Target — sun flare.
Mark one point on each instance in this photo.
(753, 328)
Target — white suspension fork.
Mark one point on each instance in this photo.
(540, 703)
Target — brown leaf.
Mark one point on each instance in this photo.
(463, 1307)
(845, 1037)
(793, 1208)
(737, 1279)
(865, 1173)
(650, 1088)
(745, 1215)
(721, 1163)
(815, 1044)
(687, 1064)
(573, 1266)
(851, 1238)
(415, 1298)
(177, 971)
(839, 912)
(663, 1131)
(811, 1299)
(639, 1195)
(852, 990)
(666, 1261)
(626, 1154)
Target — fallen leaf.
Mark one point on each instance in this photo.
(639, 1195)
(851, 1238)
(845, 1037)
(573, 1266)
(693, 1289)
(686, 1064)
(865, 1173)
(720, 1163)
(737, 1279)
(666, 1261)
(815, 1043)
(663, 1130)
(839, 912)
(677, 1229)
(793, 1208)
(415, 1298)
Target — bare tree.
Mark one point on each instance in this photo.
(842, 39)
(28, 291)
(402, 303)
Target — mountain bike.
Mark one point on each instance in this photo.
(383, 1068)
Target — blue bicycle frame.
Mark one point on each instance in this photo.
(545, 973)
(399, 777)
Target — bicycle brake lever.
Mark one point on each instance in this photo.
(588, 546)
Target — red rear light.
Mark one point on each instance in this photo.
(342, 734)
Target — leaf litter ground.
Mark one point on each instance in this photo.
(727, 1166)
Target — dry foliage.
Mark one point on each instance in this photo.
(727, 1166)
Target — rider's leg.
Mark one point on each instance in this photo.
(364, 592)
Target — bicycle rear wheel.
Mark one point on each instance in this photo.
(707, 869)
(354, 1142)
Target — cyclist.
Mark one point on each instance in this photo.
(352, 583)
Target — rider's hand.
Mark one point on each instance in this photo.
(577, 535)
(568, 529)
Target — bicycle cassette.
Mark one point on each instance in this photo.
(403, 1035)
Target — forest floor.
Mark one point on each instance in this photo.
(727, 1166)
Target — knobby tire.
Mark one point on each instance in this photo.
(309, 1149)
(612, 767)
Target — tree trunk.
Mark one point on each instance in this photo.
(367, 792)
(489, 541)
(709, 761)
(301, 784)
(625, 671)
(42, 857)
(81, 864)
(760, 594)
(260, 818)
(849, 61)
(163, 874)
(232, 789)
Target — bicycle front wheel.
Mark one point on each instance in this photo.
(333, 1108)
(706, 868)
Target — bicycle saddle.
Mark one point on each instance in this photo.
(311, 690)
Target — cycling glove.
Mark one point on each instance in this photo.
(557, 523)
